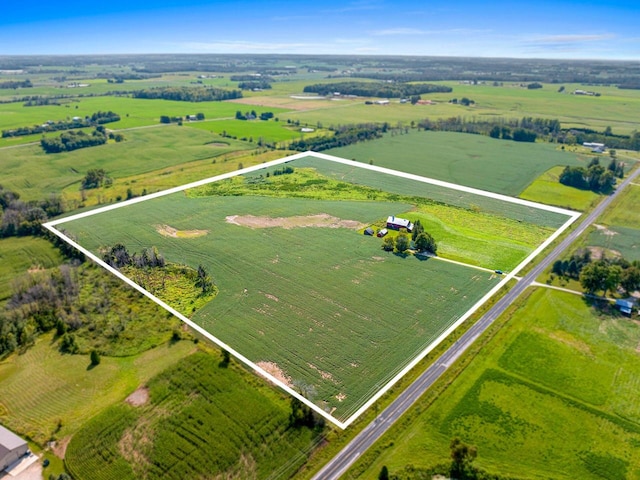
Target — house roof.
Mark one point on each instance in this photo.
(403, 222)
(9, 440)
(625, 304)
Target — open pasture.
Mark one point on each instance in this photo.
(35, 174)
(320, 306)
(200, 421)
(551, 396)
(478, 161)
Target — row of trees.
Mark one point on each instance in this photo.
(595, 177)
(18, 218)
(254, 85)
(376, 89)
(96, 178)
(69, 141)
(603, 275)
(98, 118)
(188, 94)
(344, 135)
(16, 84)
(175, 119)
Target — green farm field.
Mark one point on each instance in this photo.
(134, 112)
(42, 387)
(200, 421)
(35, 174)
(551, 396)
(349, 286)
(18, 255)
(622, 221)
(615, 108)
(319, 303)
(473, 160)
(270, 131)
(548, 189)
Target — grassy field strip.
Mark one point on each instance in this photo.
(441, 183)
(572, 217)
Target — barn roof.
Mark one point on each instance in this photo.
(9, 441)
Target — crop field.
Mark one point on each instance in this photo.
(269, 131)
(473, 160)
(18, 255)
(34, 174)
(553, 395)
(620, 229)
(615, 108)
(195, 424)
(547, 189)
(318, 307)
(42, 387)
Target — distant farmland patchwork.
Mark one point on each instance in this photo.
(325, 310)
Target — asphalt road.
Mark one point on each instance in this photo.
(372, 432)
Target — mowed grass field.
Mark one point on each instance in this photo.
(553, 395)
(622, 220)
(547, 189)
(34, 174)
(200, 421)
(18, 255)
(478, 161)
(323, 304)
(43, 388)
(269, 131)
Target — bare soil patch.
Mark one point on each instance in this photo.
(597, 253)
(605, 230)
(272, 369)
(169, 231)
(60, 448)
(139, 397)
(218, 144)
(320, 220)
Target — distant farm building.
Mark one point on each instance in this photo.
(397, 223)
(595, 147)
(12, 448)
(306, 130)
(369, 231)
(382, 233)
(381, 102)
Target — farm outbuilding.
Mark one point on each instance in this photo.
(625, 306)
(396, 223)
(382, 233)
(12, 448)
(369, 231)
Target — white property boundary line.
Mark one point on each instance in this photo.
(51, 226)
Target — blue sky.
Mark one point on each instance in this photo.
(540, 29)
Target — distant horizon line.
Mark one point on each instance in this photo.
(343, 55)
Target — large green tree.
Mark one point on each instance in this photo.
(402, 243)
(593, 277)
(424, 242)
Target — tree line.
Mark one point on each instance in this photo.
(69, 141)
(344, 135)
(254, 85)
(376, 89)
(187, 94)
(18, 218)
(602, 275)
(97, 118)
(16, 84)
(595, 177)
